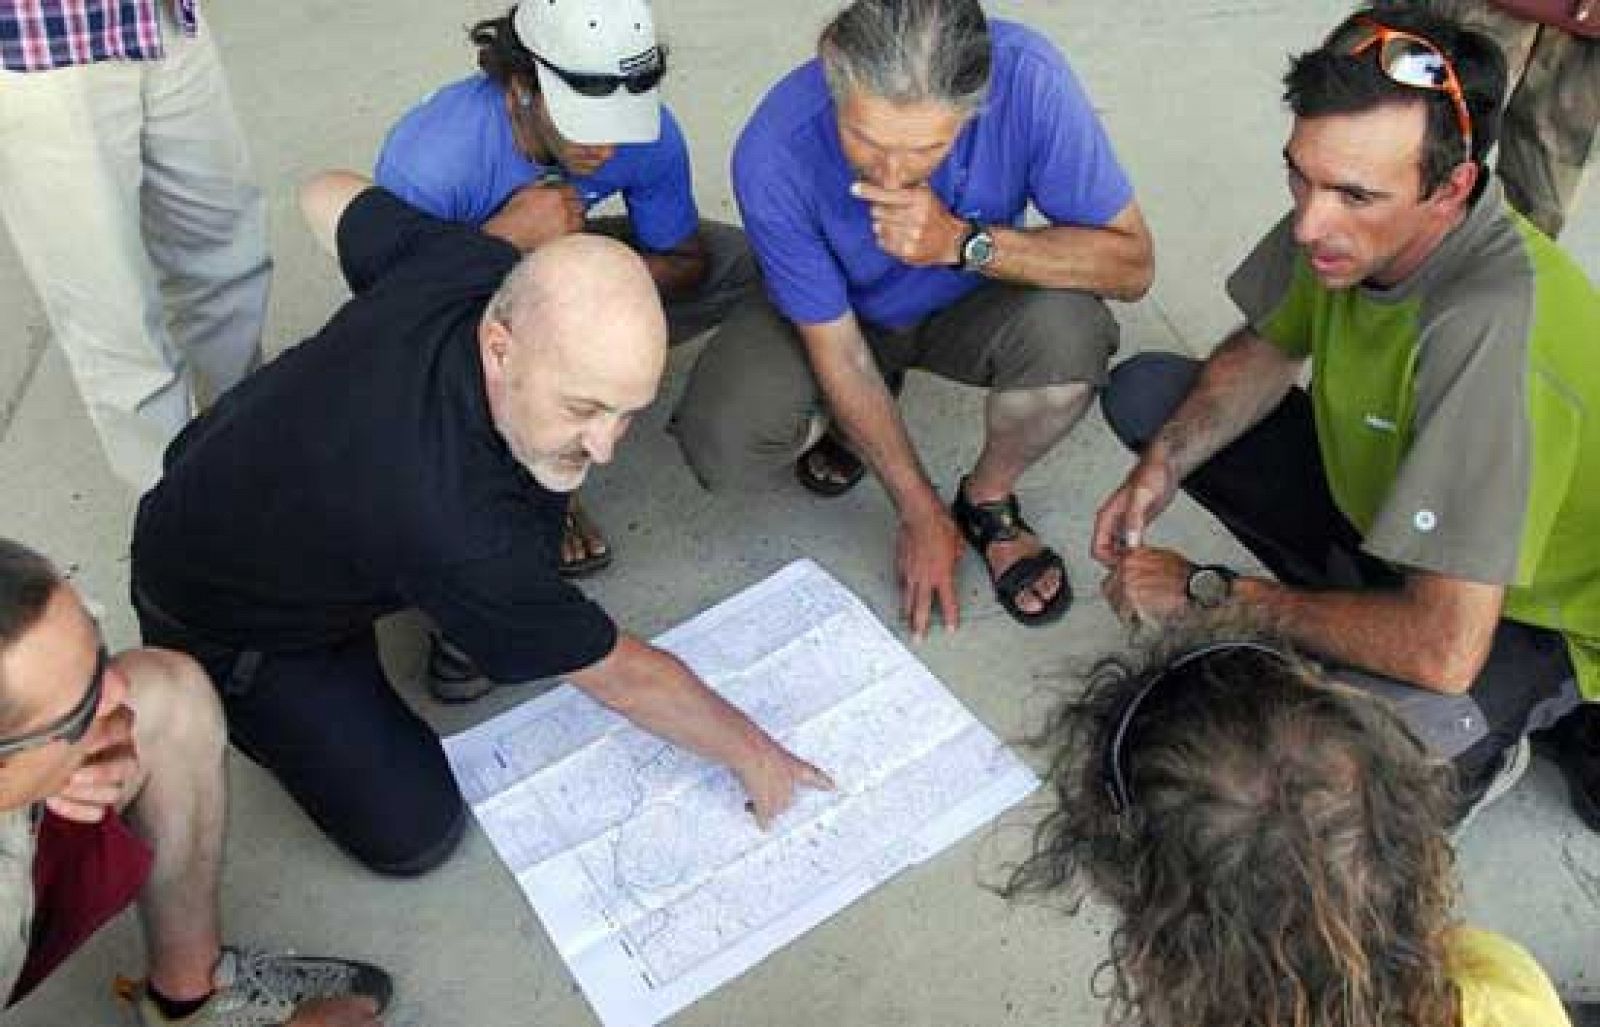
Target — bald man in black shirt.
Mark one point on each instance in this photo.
(417, 453)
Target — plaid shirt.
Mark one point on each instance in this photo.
(36, 35)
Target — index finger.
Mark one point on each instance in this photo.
(918, 603)
(878, 194)
(813, 777)
(949, 605)
(1106, 545)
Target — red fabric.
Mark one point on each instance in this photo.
(83, 876)
(1579, 17)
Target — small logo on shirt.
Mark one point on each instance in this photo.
(1425, 520)
(1377, 423)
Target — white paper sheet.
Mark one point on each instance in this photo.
(640, 859)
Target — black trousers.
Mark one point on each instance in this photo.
(1269, 489)
(328, 724)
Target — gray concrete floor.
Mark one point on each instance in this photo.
(1189, 91)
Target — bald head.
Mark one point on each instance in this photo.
(573, 344)
(580, 290)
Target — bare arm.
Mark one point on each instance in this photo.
(1434, 631)
(913, 225)
(865, 410)
(679, 271)
(928, 546)
(323, 200)
(1116, 261)
(657, 692)
(1239, 385)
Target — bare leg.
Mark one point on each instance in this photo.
(179, 809)
(1022, 426)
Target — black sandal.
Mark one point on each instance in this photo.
(583, 566)
(847, 468)
(983, 524)
(452, 675)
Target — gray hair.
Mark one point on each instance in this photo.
(519, 293)
(909, 51)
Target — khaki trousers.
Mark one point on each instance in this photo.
(126, 188)
(1548, 132)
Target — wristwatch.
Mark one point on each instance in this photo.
(1210, 585)
(977, 249)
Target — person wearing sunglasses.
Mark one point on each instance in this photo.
(567, 109)
(884, 186)
(111, 792)
(1427, 506)
(1551, 124)
(1272, 845)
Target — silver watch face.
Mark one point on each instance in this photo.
(977, 251)
(1208, 587)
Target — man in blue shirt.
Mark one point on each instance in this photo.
(883, 187)
(566, 107)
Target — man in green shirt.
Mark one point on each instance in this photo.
(1430, 506)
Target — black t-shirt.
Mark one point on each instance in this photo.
(360, 473)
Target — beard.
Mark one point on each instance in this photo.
(562, 471)
(558, 473)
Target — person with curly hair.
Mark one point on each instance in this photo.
(1275, 845)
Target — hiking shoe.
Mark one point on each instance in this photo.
(263, 989)
(452, 676)
(1513, 764)
(1574, 746)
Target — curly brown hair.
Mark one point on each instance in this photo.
(1282, 861)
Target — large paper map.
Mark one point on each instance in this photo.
(640, 858)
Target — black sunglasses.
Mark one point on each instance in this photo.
(1114, 771)
(596, 84)
(70, 728)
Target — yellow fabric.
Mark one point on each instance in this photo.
(1500, 984)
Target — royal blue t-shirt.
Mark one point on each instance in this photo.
(454, 156)
(1036, 138)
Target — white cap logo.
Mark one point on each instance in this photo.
(1425, 520)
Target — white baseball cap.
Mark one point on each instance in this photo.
(589, 55)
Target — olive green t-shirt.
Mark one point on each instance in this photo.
(1458, 413)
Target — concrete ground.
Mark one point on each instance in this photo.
(1189, 90)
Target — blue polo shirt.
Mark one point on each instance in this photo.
(454, 156)
(1036, 139)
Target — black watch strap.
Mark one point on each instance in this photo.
(1210, 585)
(966, 258)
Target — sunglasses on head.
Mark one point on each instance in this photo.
(597, 84)
(1409, 59)
(74, 725)
(1114, 772)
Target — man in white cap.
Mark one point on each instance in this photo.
(566, 107)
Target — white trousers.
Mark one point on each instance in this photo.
(127, 190)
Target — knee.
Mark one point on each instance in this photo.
(1142, 393)
(177, 713)
(732, 449)
(417, 852)
(744, 412)
(1061, 337)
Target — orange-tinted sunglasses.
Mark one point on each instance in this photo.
(1408, 59)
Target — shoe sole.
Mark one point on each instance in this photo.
(1518, 758)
